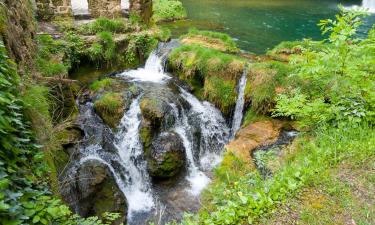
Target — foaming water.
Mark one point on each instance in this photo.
(238, 112)
(152, 72)
(369, 4)
(80, 7)
(138, 191)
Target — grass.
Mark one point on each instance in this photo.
(168, 10)
(267, 79)
(103, 24)
(110, 108)
(220, 92)
(240, 196)
(220, 41)
(101, 84)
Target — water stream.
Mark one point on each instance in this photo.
(369, 4)
(238, 111)
(201, 127)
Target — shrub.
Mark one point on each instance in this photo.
(168, 10)
(103, 24)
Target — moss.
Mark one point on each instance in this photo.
(251, 116)
(266, 79)
(110, 108)
(220, 92)
(145, 134)
(210, 39)
(170, 166)
(168, 10)
(101, 84)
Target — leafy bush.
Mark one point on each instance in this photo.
(168, 10)
(335, 84)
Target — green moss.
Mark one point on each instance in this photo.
(170, 166)
(145, 134)
(266, 80)
(167, 10)
(251, 116)
(103, 24)
(110, 108)
(223, 41)
(220, 92)
(101, 84)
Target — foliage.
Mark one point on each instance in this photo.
(220, 92)
(104, 50)
(239, 199)
(109, 102)
(25, 198)
(335, 84)
(168, 10)
(139, 44)
(103, 24)
(266, 79)
(49, 57)
(101, 84)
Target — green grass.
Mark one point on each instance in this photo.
(101, 84)
(166, 10)
(210, 37)
(103, 24)
(235, 198)
(220, 92)
(266, 79)
(109, 102)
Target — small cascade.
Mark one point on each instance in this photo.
(369, 4)
(124, 5)
(130, 150)
(202, 132)
(238, 112)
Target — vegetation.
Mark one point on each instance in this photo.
(110, 107)
(210, 39)
(327, 89)
(103, 24)
(211, 73)
(167, 10)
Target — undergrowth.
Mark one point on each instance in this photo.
(167, 10)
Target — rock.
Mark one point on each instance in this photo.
(253, 136)
(92, 190)
(166, 157)
(110, 107)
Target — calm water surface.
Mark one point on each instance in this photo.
(258, 25)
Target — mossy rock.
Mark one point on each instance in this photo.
(166, 157)
(110, 107)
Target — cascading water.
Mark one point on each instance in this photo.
(80, 7)
(137, 191)
(369, 4)
(202, 130)
(238, 112)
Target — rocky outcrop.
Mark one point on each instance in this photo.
(255, 135)
(167, 156)
(92, 191)
(108, 8)
(18, 30)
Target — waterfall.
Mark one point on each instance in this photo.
(201, 127)
(238, 112)
(369, 4)
(137, 191)
(124, 4)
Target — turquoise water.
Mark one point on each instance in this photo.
(258, 25)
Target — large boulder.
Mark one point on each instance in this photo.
(166, 157)
(92, 190)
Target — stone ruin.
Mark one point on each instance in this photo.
(47, 9)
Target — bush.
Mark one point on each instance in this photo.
(335, 84)
(103, 24)
(168, 10)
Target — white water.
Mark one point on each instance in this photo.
(238, 112)
(138, 190)
(124, 4)
(152, 72)
(369, 4)
(80, 7)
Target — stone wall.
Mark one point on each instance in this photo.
(108, 8)
(143, 8)
(47, 9)
(17, 31)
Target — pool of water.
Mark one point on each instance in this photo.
(258, 25)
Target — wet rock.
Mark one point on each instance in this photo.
(92, 190)
(110, 107)
(166, 157)
(254, 135)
